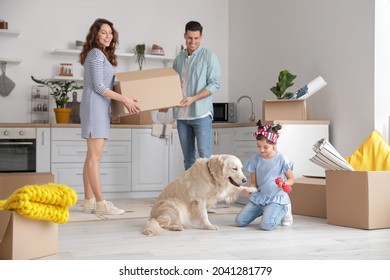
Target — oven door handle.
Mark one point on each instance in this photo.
(16, 143)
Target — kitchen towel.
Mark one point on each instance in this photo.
(6, 84)
(162, 130)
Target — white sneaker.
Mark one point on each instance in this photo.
(89, 205)
(107, 208)
(288, 218)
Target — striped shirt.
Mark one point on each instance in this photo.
(99, 75)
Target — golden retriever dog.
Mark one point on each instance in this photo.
(184, 202)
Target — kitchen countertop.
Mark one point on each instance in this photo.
(215, 125)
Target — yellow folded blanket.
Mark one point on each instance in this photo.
(42, 202)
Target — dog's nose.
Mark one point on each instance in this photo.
(244, 180)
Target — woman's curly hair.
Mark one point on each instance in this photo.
(92, 41)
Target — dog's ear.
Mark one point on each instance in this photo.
(216, 165)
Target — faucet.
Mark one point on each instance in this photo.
(252, 117)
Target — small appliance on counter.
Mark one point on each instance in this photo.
(225, 112)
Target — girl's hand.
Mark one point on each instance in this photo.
(282, 185)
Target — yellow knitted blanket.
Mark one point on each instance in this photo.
(42, 202)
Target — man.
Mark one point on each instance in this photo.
(200, 74)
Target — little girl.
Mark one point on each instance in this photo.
(270, 202)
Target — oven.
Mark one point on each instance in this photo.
(18, 149)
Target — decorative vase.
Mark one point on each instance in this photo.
(62, 114)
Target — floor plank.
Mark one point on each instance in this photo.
(308, 238)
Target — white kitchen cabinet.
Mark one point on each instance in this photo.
(176, 159)
(156, 161)
(43, 149)
(68, 151)
(223, 141)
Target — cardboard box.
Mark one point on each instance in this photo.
(141, 118)
(24, 239)
(289, 109)
(153, 88)
(10, 182)
(359, 199)
(308, 197)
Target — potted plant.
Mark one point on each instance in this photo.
(59, 91)
(139, 51)
(284, 82)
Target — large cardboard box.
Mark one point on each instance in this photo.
(359, 199)
(308, 197)
(22, 238)
(141, 118)
(153, 88)
(289, 109)
(10, 182)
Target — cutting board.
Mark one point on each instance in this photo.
(75, 106)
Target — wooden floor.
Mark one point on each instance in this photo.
(307, 239)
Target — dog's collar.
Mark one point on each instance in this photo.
(208, 168)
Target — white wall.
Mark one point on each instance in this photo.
(332, 38)
(346, 42)
(46, 25)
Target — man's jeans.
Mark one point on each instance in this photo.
(199, 132)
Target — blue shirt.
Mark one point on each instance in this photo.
(204, 72)
(267, 170)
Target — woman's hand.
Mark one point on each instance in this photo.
(131, 105)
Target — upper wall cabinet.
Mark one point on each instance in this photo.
(9, 33)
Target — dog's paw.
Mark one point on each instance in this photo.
(211, 227)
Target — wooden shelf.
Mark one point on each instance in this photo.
(69, 78)
(165, 60)
(9, 33)
(10, 60)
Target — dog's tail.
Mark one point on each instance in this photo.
(152, 228)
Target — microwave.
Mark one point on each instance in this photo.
(225, 112)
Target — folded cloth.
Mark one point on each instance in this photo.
(42, 202)
(328, 157)
(162, 130)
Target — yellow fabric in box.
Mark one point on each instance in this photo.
(372, 155)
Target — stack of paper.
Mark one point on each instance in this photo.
(328, 158)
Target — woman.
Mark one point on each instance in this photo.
(99, 61)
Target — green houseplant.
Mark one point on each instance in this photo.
(285, 80)
(139, 51)
(59, 91)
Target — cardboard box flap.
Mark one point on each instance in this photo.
(4, 222)
(146, 74)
